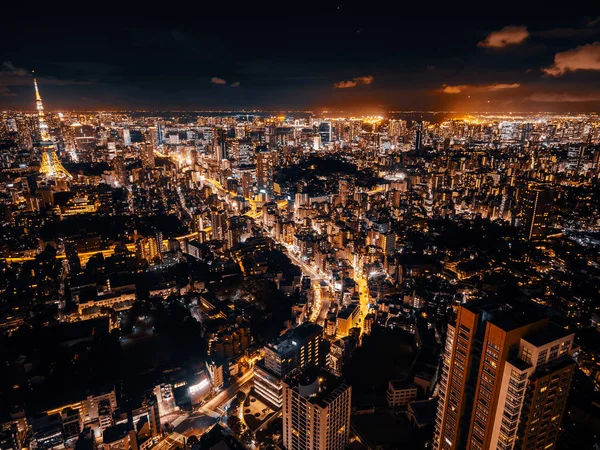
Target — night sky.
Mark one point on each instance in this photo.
(361, 58)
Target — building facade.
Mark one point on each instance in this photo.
(316, 411)
(504, 381)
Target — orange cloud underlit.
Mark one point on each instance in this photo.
(457, 89)
(506, 36)
(454, 89)
(368, 79)
(217, 80)
(502, 86)
(585, 57)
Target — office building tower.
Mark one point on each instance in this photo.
(120, 171)
(419, 136)
(396, 128)
(147, 155)
(220, 144)
(271, 135)
(152, 136)
(264, 167)
(388, 243)
(505, 379)
(316, 411)
(344, 191)
(536, 209)
(126, 137)
(160, 133)
(218, 220)
(245, 153)
(325, 132)
(575, 156)
(247, 183)
(301, 347)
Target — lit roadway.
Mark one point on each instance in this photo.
(84, 256)
(322, 308)
(213, 406)
(200, 420)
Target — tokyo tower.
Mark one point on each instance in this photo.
(50, 167)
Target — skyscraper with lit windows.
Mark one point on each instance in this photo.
(536, 210)
(505, 380)
(316, 411)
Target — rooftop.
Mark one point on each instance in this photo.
(552, 333)
(330, 387)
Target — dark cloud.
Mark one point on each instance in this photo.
(132, 61)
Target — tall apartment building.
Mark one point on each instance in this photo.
(505, 380)
(536, 210)
(264, 167)
(147, 155)
(301, 347)
(316, 411)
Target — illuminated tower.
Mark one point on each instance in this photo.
(50, 167)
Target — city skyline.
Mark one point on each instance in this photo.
(343, 58)
(339, 273)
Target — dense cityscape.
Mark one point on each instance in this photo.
(218, 236)
(187, 272)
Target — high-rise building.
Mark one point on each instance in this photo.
(301, 347)
(152, 407)
(160, 132)
(419, 136)
(245, 153)
(388, 243)
(150, 248)
(218, 220)
(147, 155)
(575, 156)
(344, 191)
(316, 411)
(220, 144)
(505, 380)
(126, 137)
(264, 167)
(325, 131)
(536, 209)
